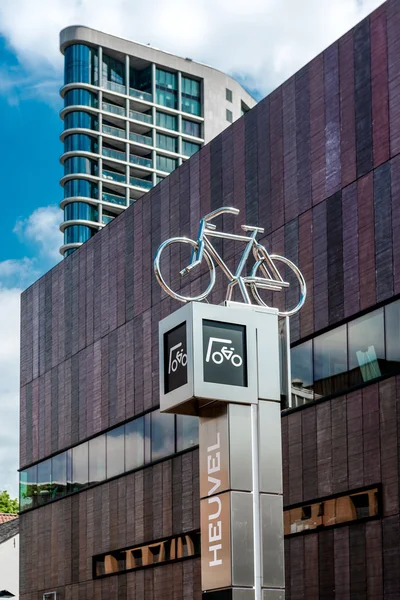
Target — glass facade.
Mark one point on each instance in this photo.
(80, 120)
(189, 148)
(78, 234)
(140, 80)
(164, 163)
(166, 142)
(79, 97)
(139, 442)
(80, 187)
(166, 121)
(113, 70)
(191, 128)
(81, 65)
(191, 96)
(166, 88)
(80, 164)
(80, 142)
(80, 211)
(362, 350)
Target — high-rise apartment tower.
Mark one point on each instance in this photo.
(132, 114)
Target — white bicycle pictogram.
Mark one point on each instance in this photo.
(180, 358)
(224, 353)
(264, 275)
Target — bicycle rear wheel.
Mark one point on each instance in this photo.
(163, 283)
(299, 277)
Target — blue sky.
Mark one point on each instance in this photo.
(261, 42)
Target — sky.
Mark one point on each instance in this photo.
(260, 42)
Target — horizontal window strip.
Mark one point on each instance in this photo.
(128, 447)
(147, 555)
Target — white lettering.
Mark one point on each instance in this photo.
(216, 446)
(214, 532)
(214, 464)
(218, 501)
(216, 561)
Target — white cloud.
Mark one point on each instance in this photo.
(261, 41)
(40, 230)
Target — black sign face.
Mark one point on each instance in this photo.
(224, 353)
(175, 358)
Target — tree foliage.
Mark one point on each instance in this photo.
(7, 504)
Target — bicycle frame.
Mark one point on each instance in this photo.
(208, 230)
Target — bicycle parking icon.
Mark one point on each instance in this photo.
(176, 357)
(264, 275)
(225, 353)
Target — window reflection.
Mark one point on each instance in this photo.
(97, 459)
(366, 347)
(392, 331)
(162, 435)
(28, 488)
(330, 362)
(344, 509)
(44, 481)
(59, 475)
(302, 373)
(134, 444)
(115, 451)
(187, 432)
(79, 475)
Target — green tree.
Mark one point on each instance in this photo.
(7, 504)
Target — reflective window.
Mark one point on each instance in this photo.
(113, 70)
(188, 148)
(80, 187)
(191, 96)
(28, 488)
(229, 116)
(80, 141)
(79, 468)
(79, 97)
(335, 511)
(164, 163)
(44, 481)
(191, 128)
(392, 334)
(187, 432)
(141, 80)
(97, 459)
(149, 554)
(366, 347)
(166, 121)
(80, 120)
(166, 88)
(162, 435)
(228, 95)
(69, 251)
(78, 234)
(116, 451)
(166, 142)
(78, 211)
(81, 65)
(80, 164)
(134, 444)
(330, 362)
(59, 475)
(302, 373)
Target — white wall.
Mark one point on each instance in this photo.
(9, 566)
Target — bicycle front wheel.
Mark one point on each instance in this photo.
(163, 283)
(299, 277)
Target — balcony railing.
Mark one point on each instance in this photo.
(116, 131)
(114, 87)
(146, 185)
(141, 95)
(138, 116)
(139, 160)
(141, 139)
(113, 199)
(114, 176)
(114, 154)
(112, 108)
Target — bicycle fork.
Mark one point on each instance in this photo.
(197, 255)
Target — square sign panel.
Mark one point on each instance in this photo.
(224, 353)
(175, 358)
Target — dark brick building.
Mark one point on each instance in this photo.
(317, 163)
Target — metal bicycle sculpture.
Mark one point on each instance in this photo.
(263, 276)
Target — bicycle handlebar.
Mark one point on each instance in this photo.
(220, 211)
